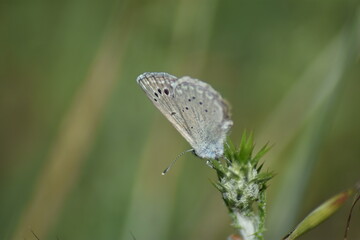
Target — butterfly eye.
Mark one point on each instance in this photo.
(166, 91)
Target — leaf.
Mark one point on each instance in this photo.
(263, 177)
(320, 214)
(261, 153)
(230, 151)
(246, 147)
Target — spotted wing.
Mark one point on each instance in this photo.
(159, 87)
(206, 113)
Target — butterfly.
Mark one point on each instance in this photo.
(193, 107)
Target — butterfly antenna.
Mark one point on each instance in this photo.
(173, 162)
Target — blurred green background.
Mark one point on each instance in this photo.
(82, 148)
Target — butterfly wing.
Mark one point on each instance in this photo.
(195, 109)
(159, 89)
(207, 115)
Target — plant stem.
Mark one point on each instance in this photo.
(242, 186)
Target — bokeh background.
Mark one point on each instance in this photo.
(82, 148)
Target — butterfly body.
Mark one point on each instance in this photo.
(195, 109)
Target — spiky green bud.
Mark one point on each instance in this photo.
(243, 186)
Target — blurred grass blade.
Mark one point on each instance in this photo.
(187, 13)
(331, 66)
(75, 137)
(320, 214)
(312, 89)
